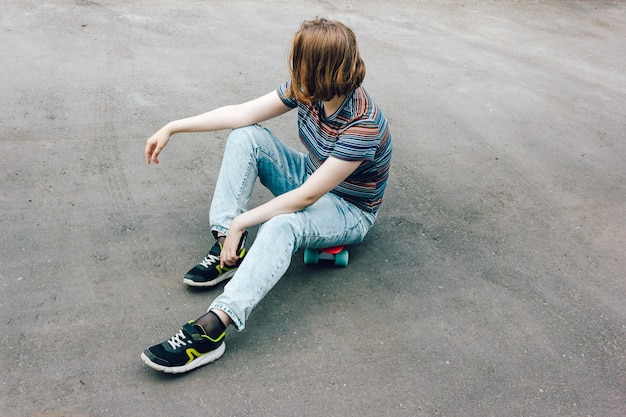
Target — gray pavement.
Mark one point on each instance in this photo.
(492, 285)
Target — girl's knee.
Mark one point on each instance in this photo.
(283, 227)
(249, 137)
(281, 223)
(241, 133)
(241, 141)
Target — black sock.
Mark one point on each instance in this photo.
(212, 324)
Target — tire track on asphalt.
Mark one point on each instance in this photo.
(124, 218)
(118, 205)
(108, 112)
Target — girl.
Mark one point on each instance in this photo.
(326, 197)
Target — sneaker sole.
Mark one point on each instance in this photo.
(196, 363)
(220, 278)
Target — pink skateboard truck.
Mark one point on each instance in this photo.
(337, 254)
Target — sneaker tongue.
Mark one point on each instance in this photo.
(216, 249)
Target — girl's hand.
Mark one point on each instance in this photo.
(155, 144)
(233, 244)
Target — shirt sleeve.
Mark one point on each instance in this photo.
(282, 91)
(358, 142)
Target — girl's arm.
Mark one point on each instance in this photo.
(227, 117)
(332, 172)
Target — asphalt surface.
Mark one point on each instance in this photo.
(493, 283)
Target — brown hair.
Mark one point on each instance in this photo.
(325, 61)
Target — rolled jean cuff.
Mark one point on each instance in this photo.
(235, 319)
(219, 229)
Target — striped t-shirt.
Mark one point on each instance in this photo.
(357, 131)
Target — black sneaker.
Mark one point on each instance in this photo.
(188, 349)
(209, 272)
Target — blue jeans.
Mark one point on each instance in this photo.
(254, 152)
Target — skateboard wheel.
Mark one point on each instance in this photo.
(311, 256)
(341, 259)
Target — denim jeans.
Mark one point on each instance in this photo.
(254, 152)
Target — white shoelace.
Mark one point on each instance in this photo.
(178, 340)
(210, 260)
